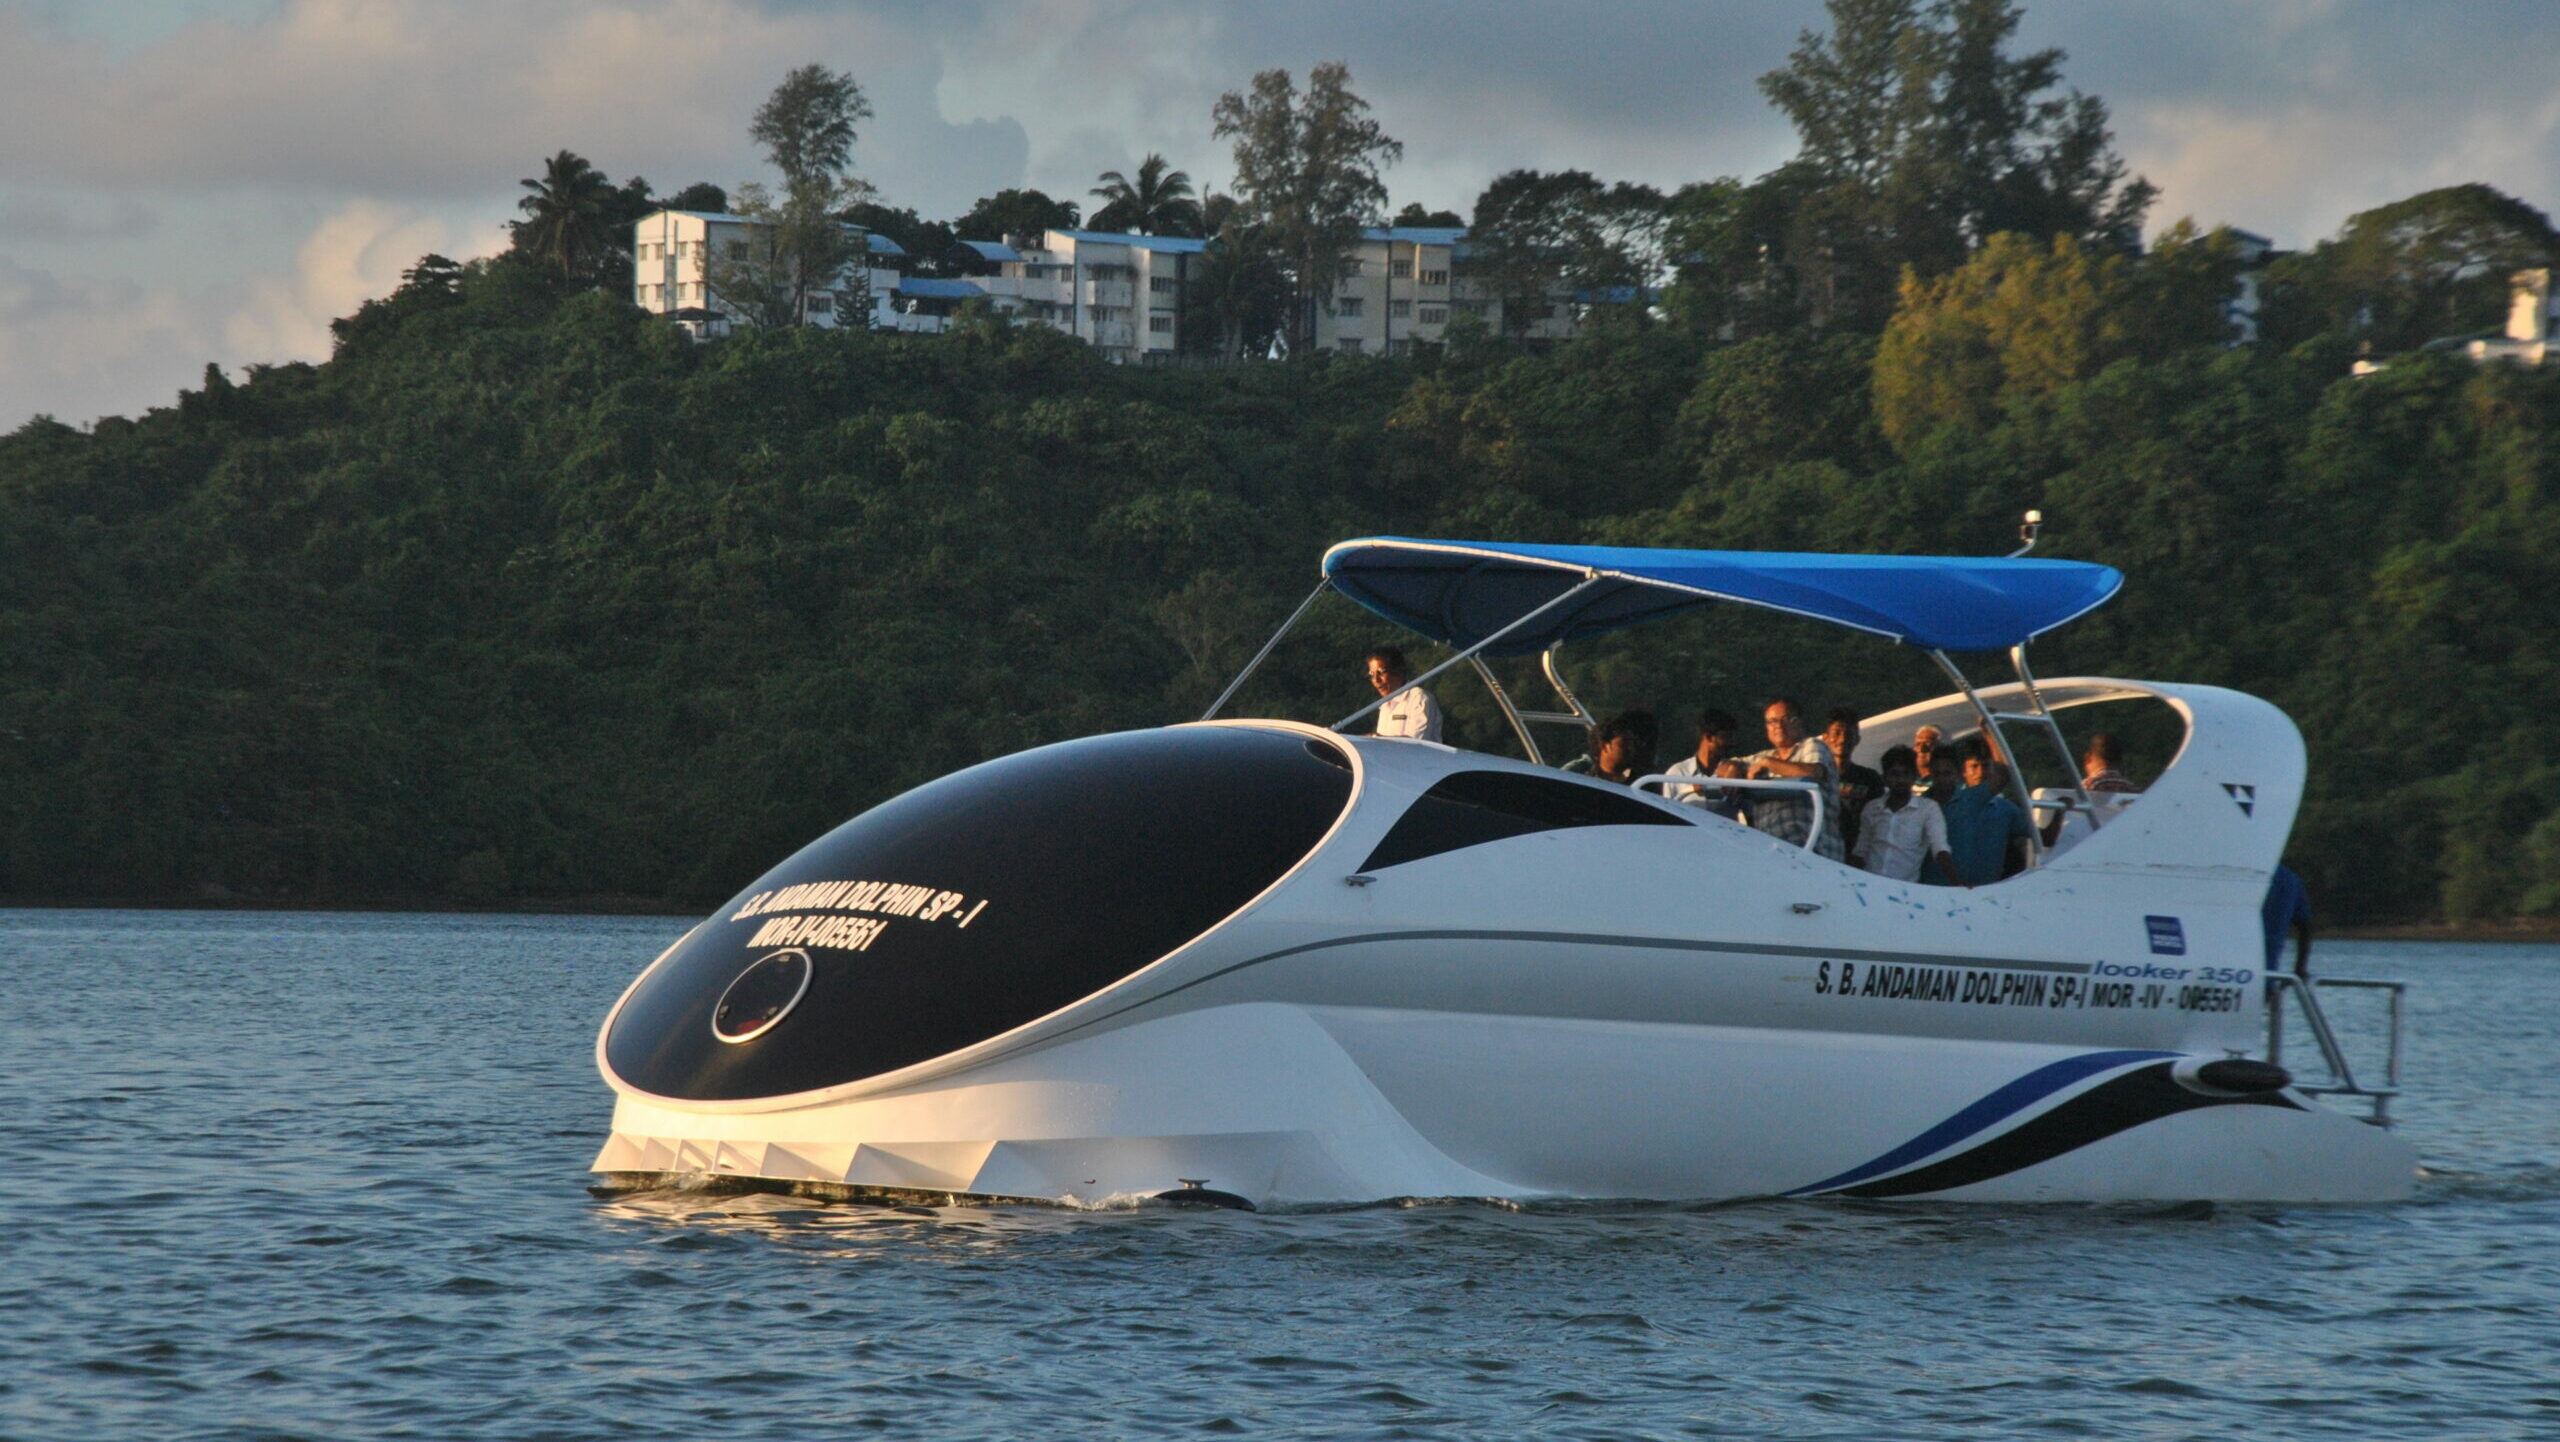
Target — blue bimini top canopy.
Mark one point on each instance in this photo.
(1460, 592)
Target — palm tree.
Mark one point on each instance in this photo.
(565, 216)
(1159, 203)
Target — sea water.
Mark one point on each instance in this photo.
(323, 1176)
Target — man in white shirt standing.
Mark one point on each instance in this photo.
(1409, 711)
(1900, 830)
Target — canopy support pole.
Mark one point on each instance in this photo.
(1510, 712)
(1999, 743)
(1250, 666)
(2053, 728)
(1589, 580)
(1555, 678)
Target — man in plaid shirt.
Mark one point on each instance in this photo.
(1795, 754)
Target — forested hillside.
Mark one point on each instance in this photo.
(523, 596)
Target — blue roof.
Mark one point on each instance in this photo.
(880, 244)
(1459, 592)
(927, 288)
(1171, 244)
(1417, 234)
(992, 249)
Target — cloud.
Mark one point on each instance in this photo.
(415, 100)
(356, 255)
(45, 221)
(77, 348)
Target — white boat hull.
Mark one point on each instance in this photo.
(1673, 1011)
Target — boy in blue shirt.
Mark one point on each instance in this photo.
(1981, 823)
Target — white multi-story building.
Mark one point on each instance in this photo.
(1403, 285)
(1119, 293)
(671, 252)
(2533, 318)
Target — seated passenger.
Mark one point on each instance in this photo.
(1794, 755)
(1981, 823)
(1900, 831)
(1407, 712)
(1715, 757)
(1621, 749)
(2098, 773)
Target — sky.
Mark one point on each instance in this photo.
(193, 182)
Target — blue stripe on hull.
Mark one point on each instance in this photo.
(2001, 1104)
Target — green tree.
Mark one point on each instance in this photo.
(1928, 137)
(568, 218)
(797, 248)
(2006, 329)
(1537, 234)
(701, 197)
(1159, 202)
(2434, 264)
(1307, 170)
(1413, 216)
(1236, 295)
(806, 126)
(1015, 212)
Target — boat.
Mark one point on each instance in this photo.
(1263, 963)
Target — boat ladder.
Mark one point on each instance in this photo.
(2342, 1081)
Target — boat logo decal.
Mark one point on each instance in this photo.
(2243, 796)
(2168, 935)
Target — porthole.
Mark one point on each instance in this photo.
(762, 996)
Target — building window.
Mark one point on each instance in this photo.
(1350, 343)
(1353, 266)
(1435, 315)
(1349, 306)
(1160, 324)
(1400, 269)
(1400, 309)
(1161, 284)
(1435, 277)
(1400, 347)
(737, 250)
(822, 304)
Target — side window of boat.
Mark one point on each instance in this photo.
(1470, 808)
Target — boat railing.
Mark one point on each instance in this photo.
(1814, 789)
(2342, 1080)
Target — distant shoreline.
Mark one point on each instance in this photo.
(2542, 929)
(599, 905)
(2522, 929)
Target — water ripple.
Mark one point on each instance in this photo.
(321, 1177)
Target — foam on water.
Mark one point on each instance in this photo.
(323, 1177)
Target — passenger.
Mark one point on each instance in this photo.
(2098, 764)
(1900, 831)
(1858, 784)
(1981, 823)
(1715, 757)
(1794, 755)
(1620, 749)
(2287, 912)
(1924, 755)
(1407, 712)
